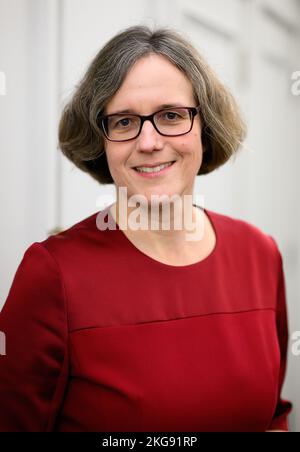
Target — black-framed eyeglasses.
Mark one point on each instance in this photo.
(169, 122)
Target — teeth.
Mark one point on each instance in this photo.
(155, 169)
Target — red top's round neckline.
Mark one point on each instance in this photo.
(164, 265)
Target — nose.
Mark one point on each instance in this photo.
(149, 139)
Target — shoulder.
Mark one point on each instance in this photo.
(74, 238)
(67, 246)
(245, 237)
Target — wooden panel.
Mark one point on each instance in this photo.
(218, 13)
(287, 11)
(275, 34)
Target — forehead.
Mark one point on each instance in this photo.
(151, 82)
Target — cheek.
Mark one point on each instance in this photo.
(112, 161)
(192, 146)
(113, 155)
(116, 159)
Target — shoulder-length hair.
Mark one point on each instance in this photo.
(80, 137)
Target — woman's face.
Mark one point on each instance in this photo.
(152, 83)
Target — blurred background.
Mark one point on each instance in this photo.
(254, 46)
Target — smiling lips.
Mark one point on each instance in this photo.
(152, 172)
(153, 168)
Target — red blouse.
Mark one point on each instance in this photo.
(102, 337)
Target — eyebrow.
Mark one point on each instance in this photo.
(160, 107)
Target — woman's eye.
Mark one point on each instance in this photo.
(171, 115)
(125, 122)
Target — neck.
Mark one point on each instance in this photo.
(167, 224)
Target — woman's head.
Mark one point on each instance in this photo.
(141, 71)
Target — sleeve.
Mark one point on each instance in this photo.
(34, 368)
(284, 407)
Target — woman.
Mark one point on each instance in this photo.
(148, 329)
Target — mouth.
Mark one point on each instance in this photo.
(154, 171)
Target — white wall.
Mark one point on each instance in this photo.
(27, 131)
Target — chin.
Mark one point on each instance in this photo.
(162, 193)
